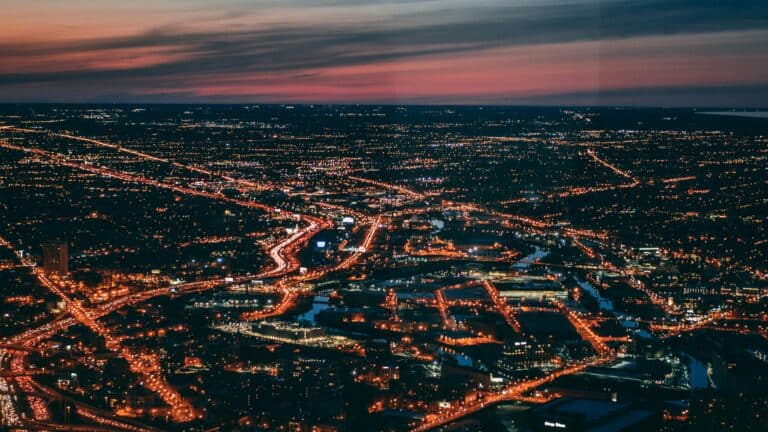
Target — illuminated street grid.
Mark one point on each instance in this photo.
(332, 268)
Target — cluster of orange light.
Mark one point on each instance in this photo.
(501, 306)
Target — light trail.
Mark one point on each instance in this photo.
(584, 190)
(289, 295)
(678, 179)
(584, 330)
(284, 253)
(364, 247)
(442, 307)
(502, 307)
(611, 167)
(402, 189)
(180, 409)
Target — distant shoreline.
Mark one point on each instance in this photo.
(747, 114)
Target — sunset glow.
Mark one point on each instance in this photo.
(447, 51)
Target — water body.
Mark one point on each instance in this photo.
(319, 304)
(604, 303)
(538, 254)
(633, 326)
(607, 306)
(747, 114)
(461, 359)
(697, 373)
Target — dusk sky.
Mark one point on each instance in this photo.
(584, 52)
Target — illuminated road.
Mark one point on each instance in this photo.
(397, 188)
(501, 306)
(280, 254)
(287, 286)
(9, 415)
(364, 247)
(583, 190)
(46, 331)
(141, 364)
(516, 391)
(93, 414)
(288, 298)
(634, 181)
(284, 254)
(108, 173)
(448, 321)
(142, 155)
(584, 330)
(676, 329)
(512, 392)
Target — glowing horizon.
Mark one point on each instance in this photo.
(590, 52)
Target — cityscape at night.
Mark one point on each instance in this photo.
(320, 268)
(394, 216)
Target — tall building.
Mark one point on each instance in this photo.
(521, 355)
(56, 257)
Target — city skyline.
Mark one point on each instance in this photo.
(644, 53)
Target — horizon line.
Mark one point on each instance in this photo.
(746, 108)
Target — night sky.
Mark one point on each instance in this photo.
(550, 52)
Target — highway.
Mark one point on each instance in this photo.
(283, 254)
(364, 247)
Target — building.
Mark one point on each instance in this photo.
(56, 258)
(522, 355)
(531, 288)
(288, 331)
